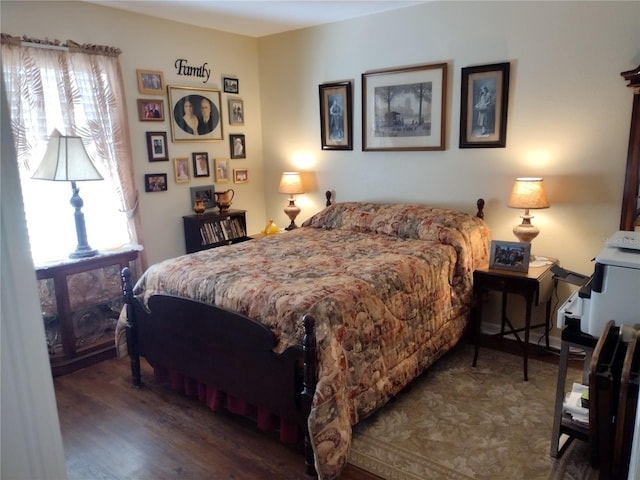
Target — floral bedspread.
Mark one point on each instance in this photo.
(389, 286)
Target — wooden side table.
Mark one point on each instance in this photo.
(536, 286)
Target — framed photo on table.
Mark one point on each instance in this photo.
(403, 109)
(196, 114)
(512, 256)
(336, 116)
(484, 103)
(157, 147)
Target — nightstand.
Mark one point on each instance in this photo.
(535, 286)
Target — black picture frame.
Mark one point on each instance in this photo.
(200, 164)
(336, 116)
(513, 256)
(404, 109)
(237, 145)
(206, 193)
(157, 147)
(231, 85)
(155, 182)
(484, 103)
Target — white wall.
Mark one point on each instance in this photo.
(568, 120)
(153, 44)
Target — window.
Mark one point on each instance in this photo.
(78, 93)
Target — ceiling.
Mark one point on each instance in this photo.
(256, 18)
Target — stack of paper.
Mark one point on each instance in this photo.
(573, 404)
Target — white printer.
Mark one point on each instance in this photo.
(613, 291)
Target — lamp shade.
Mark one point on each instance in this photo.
(528, 193)
(66, 160)
(291, 183)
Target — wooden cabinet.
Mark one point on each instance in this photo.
(81, 301)
(209, 230)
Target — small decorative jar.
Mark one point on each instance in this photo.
(198, 206)
(271, 229)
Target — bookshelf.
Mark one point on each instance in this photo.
(210, 230)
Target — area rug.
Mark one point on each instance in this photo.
(458, 422)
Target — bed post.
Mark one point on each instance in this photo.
(480, 205)
(328, 195)
(308, 386)
(132, 328)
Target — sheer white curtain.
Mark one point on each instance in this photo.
(77, 90)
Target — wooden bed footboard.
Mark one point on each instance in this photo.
(225, 350)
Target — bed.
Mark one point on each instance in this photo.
(314, 329)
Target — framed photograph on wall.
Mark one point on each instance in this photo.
(512, 256)
(155, 182)
(484, 100)
(403, 109)
(206, 193)
(150, 82)
(336, 117)
(231, 85)
(200, 164)
(157, 147)
(181, 170)
(237, 146)
(221, 166)
(150, 110)
(236, 111)
(196, 114)
(240, 175)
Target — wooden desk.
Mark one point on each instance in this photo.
(536, 286)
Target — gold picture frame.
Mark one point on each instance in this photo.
(150, 82)
(190, 121)
(181, 170)
(240, 175)
(221, 168)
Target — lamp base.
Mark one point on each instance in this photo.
(292, 211)
(525, 232)
(83, 253)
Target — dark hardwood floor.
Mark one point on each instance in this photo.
(113, 431)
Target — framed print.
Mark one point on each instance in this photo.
(240, 175)
(150, 82)
(510, 256)
(483, 106)
(155, 182)
(231, 85)
(403, 109)
(206, 193)
(200, 164)
(157, 146)
(237, 145)
(181, 170)
(196, 114)
(150, 110)
(236, 111)
(336, 119)
(221, 166)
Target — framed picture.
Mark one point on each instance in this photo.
(200, 164)
(237, 145)
(404, 109)
(236, 111)
(155, 182)
(157, 146)
(510, 256)
(181, 170)
(336, 117)
(231, 85)
(150, 82)
(196, 114)
(483, 106)
(240, 175)
(221, 166)
(150, 110)
(206, 193)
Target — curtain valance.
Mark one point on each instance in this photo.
(69, 44)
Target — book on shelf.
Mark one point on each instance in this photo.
(573, 406)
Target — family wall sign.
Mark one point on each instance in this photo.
(183, 68)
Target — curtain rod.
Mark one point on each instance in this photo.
(44, 45)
